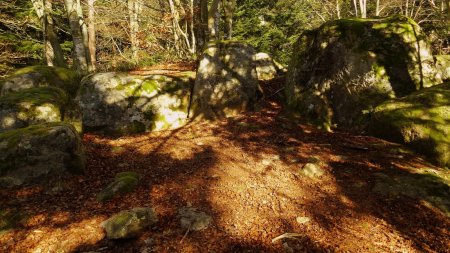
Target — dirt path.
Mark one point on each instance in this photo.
(245, 173)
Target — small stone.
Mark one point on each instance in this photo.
(312, 170)
(303, 220)
(194, 220)
(130, 223)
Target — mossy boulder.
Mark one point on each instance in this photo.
(32, 106)
(124, 182)
(420, 120)
(266, 67)
(443, 66)
(226, 82)
(345, 68)
(120, 103)
(41, 76)
(39, 154)
(130, 223)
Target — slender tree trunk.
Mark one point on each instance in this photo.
(377, 8)
(133, 12)
(363, 9)
(79, 59)
(200, 23)
(355, 5)
(84, 33)
(229, 6)
(212, 20)
(52, 49)
(191, 27)
(91, 34)
(338, 9)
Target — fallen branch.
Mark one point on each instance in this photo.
(286, 235)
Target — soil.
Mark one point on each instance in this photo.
(245, 173)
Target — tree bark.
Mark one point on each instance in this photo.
(52, 49)
(229, 6)
(79, 59)
(133, 13)
(91, 35)
(212, 20)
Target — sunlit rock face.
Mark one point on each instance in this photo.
(40, 154)
(226, 82)
(32, 106)
(120, 103)
(443, 66)
(266, 68)
(421, 120)
(342, 70)
(41, 76)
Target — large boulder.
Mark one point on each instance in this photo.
(443, 66)
(40, 153)
(226, 82)
(346, 67)
(32, 106)
(120, 103)
(41, 76)
(420, 120)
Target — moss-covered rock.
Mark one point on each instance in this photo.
(124, 182)
(32, 106)
(443, 66)
(266, 67)
(120, 103)
(129, 224)
(226, 82)
(39, 153)
(346, 67)
(41, 76)
(420, 120)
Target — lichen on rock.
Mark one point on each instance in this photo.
(124, 182)
(130, 223)
(121, 103)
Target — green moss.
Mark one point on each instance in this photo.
(421, 120)
(36, 97)
(124, 182)
(65, 79)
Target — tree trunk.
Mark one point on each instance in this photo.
(212, 20)
(91, 34)
(338, 9)
(229, 6)
(377, 8)
(52, 49)
(355, 5)
(133, 13)
(363, 9)
(79, 59)
(200, 23)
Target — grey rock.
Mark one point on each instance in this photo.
(226, 82)
(194, 220)
(121, 103)
(342, 70)
(124, 182)
(130, 223)
(40, 154)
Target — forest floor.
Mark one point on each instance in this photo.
(246, 172)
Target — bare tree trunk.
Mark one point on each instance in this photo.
(191, 27)
(363, 9)
(91, 34)
(133, 12)
(377, 8)
(355, 5)
(229, 6)
(52, 49)
(84, 33)
(338, 9)
(200, 23)
(212, 20)
(79, 60)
